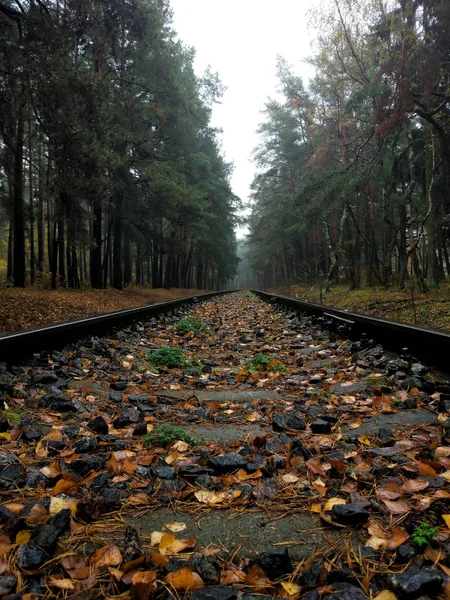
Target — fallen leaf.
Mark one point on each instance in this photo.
(175, 527)
(184, 579)
(385, 595)
(333, 502)
(380, 539)
(108, 556)
(62, 584)
(397, 507)
(415, 485)
(289, 478)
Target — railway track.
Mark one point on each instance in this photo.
(221, 449)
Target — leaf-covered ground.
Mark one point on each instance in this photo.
(429, 310)
(126, 463)
(23, 308)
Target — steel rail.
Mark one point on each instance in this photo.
(432, 346)
(19, 345)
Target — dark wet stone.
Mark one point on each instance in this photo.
(4, 424)
(215, 592)
(12, 475)
(174, 564)
(279, 462)
(34, 478)
(60, 521)
(86, 462)
(282, 422)
(85, 444)
(368, 552)
(206, 568)
(315, 379)
(311, 577)
(385, 434)
(119, 386)
(338, 575)
(140, 429)
(275, 563)
(358, 387)
(112, 498)
(127, 416)
(8, 584)
(115, 398)
(194, 470)
(45, 377)
(204, 481)
(405, 553)
(45, 536)
(71, 432)
(101, 480)
(61, 406)
(6, 458)
(227, 463)
(413, 584)
(98, 425)
(163, 472)
(32, 435)
(8, 520)
(320, 426)
(413, 382)
(349, 514)
(345, 591)
(30, 557)
(172, 486)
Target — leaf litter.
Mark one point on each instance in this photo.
(80, 461)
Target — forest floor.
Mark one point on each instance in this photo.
(429, 310)
(232, 451)
(30, 307)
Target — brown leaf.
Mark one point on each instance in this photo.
(108, 556)
(380, 539)
(143, 585)
(415, 485)
(398, 507)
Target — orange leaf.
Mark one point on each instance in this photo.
(425, 469)
(143, 585)
(184, 579)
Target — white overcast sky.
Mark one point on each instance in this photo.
(240, 39)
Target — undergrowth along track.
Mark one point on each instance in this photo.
(219, 451)
(429, 345)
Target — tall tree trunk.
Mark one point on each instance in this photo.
(30, 177)
(40, 210)
(96, 246)
(19, 205)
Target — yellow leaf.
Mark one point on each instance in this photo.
(385, 595)
(57, 504)
(207, 497)
(447, 520)
(445, 475)
(291, 589)
(316, 508)
(23, 537)
(62, 584)
(5, 436)
(333, 502)
(175, 527)
(180, 446)
(363, 439)
(356, 424)
(156, 538)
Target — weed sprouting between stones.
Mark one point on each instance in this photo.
(166, 434)
(265, 362)
(191, 325)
